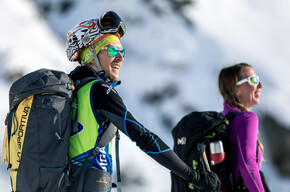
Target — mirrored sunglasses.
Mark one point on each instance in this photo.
(253, 80)
(113, 51)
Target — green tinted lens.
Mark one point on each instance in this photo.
(113, 51)
(254, 80)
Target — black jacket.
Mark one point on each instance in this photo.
(109, 107)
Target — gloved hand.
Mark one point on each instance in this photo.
(208, 181)
(212, 182)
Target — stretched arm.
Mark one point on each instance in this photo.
(109, 106)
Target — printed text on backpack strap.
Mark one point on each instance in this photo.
(17, 137)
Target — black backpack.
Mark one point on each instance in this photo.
(193, 136)
(38, 128)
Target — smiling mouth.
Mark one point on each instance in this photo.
(116, 67)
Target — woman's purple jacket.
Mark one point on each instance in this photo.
(243, 139)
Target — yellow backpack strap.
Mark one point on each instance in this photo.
(4, 147)
(15, 144)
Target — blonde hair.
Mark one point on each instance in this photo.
(227, 82)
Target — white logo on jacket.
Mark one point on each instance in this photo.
(181, 141)
(110, 88)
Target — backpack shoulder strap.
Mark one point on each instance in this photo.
(257, 152)
(232, 115)
(105, 139)
(79, 83)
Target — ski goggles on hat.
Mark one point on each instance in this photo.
(113, 51)
(253, 80)
(110, 22)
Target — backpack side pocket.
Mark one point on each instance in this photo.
(16, 124)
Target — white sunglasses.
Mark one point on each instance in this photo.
(253, 80)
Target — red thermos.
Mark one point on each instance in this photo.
(217, 154)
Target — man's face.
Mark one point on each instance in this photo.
(111, 65)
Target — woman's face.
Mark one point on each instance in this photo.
(249, 95)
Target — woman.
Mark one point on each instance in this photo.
(241, 88)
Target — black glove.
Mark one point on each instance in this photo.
(212, 182)
(208, 181)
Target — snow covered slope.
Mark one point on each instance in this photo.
(162, 53)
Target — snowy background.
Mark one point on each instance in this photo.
(172, 51)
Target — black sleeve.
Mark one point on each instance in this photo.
(171, 161)
(109, 105)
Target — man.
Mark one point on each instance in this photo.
(96, 45)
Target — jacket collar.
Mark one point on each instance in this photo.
(229, 108)
(81, 72)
